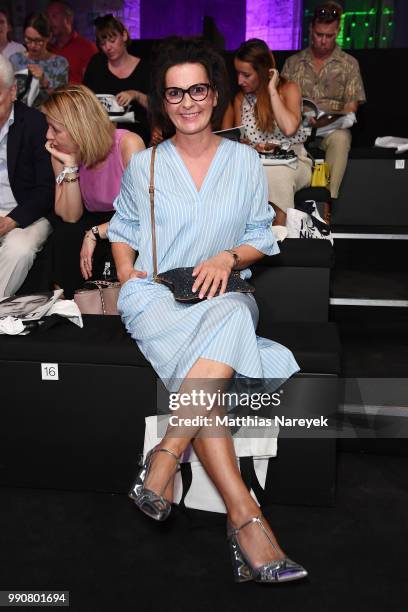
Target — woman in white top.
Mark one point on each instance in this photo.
(269, 108)
(7, 46)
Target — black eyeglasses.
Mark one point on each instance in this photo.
(38, 42)
(197, 92)
(326, 12)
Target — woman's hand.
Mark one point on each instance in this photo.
(66, 159)
(86, 254)
(124, 98)
(36, 71)
(267, 147)
(127, 273)
(273, 81)
(323, 121)
(213, 274)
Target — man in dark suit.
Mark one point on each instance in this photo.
(26, 184)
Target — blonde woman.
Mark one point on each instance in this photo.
(89, 157)
(269, 108)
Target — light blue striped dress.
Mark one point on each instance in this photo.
(229, 210)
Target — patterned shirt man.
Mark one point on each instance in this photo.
(337, 83)
(331, 78)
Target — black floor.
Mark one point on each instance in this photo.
(110, 557)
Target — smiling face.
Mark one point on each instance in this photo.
(323, 38)
(248, 78)
(190, 116)
(60, 138)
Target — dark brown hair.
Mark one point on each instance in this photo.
(38, 21)
(174, 51)
(257, 53)
(107, 27)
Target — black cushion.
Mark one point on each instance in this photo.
(316, 345)
(103, 340)
(301, 253)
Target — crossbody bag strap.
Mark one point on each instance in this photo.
(151, 194)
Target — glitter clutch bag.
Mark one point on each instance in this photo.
(180, 281)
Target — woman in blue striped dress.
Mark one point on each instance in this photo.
(212, 213)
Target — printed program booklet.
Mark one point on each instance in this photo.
(30, 307)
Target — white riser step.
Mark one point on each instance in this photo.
(368, 302)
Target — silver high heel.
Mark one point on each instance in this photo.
(151, 503)
(281, 570)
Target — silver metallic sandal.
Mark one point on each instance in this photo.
(151, 503)
(280, 570)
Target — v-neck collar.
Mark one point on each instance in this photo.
(181, 164)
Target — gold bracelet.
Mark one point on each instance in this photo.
(71, 180)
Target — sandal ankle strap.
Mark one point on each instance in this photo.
(166, 450)
(255, 519)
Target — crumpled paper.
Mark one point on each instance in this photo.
(64, 308)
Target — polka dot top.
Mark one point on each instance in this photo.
(254, 134)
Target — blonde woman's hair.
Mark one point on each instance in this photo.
(85, 119)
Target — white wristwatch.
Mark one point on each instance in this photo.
(66, 170)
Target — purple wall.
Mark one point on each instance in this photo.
(159, 18)
(277, 22)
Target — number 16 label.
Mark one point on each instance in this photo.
(49, 371)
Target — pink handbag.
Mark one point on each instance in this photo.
(98, 297)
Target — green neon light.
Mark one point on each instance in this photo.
(370, 13)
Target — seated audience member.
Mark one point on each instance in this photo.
(50, 70)
(76, 49)
(269, 108)
(89, 157)
(114, 71)
(7, 45)
(210, 195)
(331, 78)
(26, 184)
